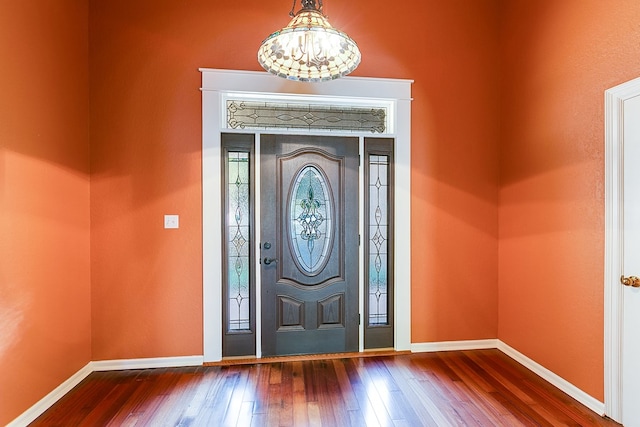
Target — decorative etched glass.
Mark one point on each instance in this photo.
(310, 223)
(238, 241)
(378, 239)
(270, 115)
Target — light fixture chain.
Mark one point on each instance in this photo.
(293, 9)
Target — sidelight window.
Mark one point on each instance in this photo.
(238, 211)
(378, 239)
(238, 273)
(378, 243)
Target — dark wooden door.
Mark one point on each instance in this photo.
(309, 244)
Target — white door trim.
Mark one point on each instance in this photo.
(215, 84)
(613, 321)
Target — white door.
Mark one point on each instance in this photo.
(631, 266)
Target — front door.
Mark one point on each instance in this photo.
(309, 244)
(631, 265)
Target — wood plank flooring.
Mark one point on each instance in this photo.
(459, 388)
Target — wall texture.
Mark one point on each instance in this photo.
(507, 171)
(559, 57)
(44, 199)
(145, 157)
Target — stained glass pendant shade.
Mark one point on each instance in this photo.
(309, 49)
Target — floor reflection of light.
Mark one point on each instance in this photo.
(379, 398)
(250, 389)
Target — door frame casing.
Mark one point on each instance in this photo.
(613, 291)
(350, 90)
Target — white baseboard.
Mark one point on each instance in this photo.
(587, 400)
(590, 402)
(155, 362)
(46, 402)
(173, 362)
(454, 345)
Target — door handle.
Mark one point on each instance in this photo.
(268, 261)
(632, 281)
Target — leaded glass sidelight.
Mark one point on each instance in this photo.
(378, 286)
(238, 239)
(378, 243)
(238, 236)
(310, 219)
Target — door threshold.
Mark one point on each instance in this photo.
(229, 361)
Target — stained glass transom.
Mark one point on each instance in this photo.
(311, 219)
(378, 239)
(238, 241)
(269, 115)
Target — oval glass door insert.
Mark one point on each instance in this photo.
(310, 220)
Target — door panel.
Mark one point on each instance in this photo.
(631, 265)
(309, 244)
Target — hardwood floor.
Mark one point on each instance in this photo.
(459, 388)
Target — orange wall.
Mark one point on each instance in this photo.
(454, 58)
(508, 238)
(560, 57)
(44, 199)
(145, 157)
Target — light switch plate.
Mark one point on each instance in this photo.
(171, 221)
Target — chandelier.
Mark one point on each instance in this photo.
(309, 49)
